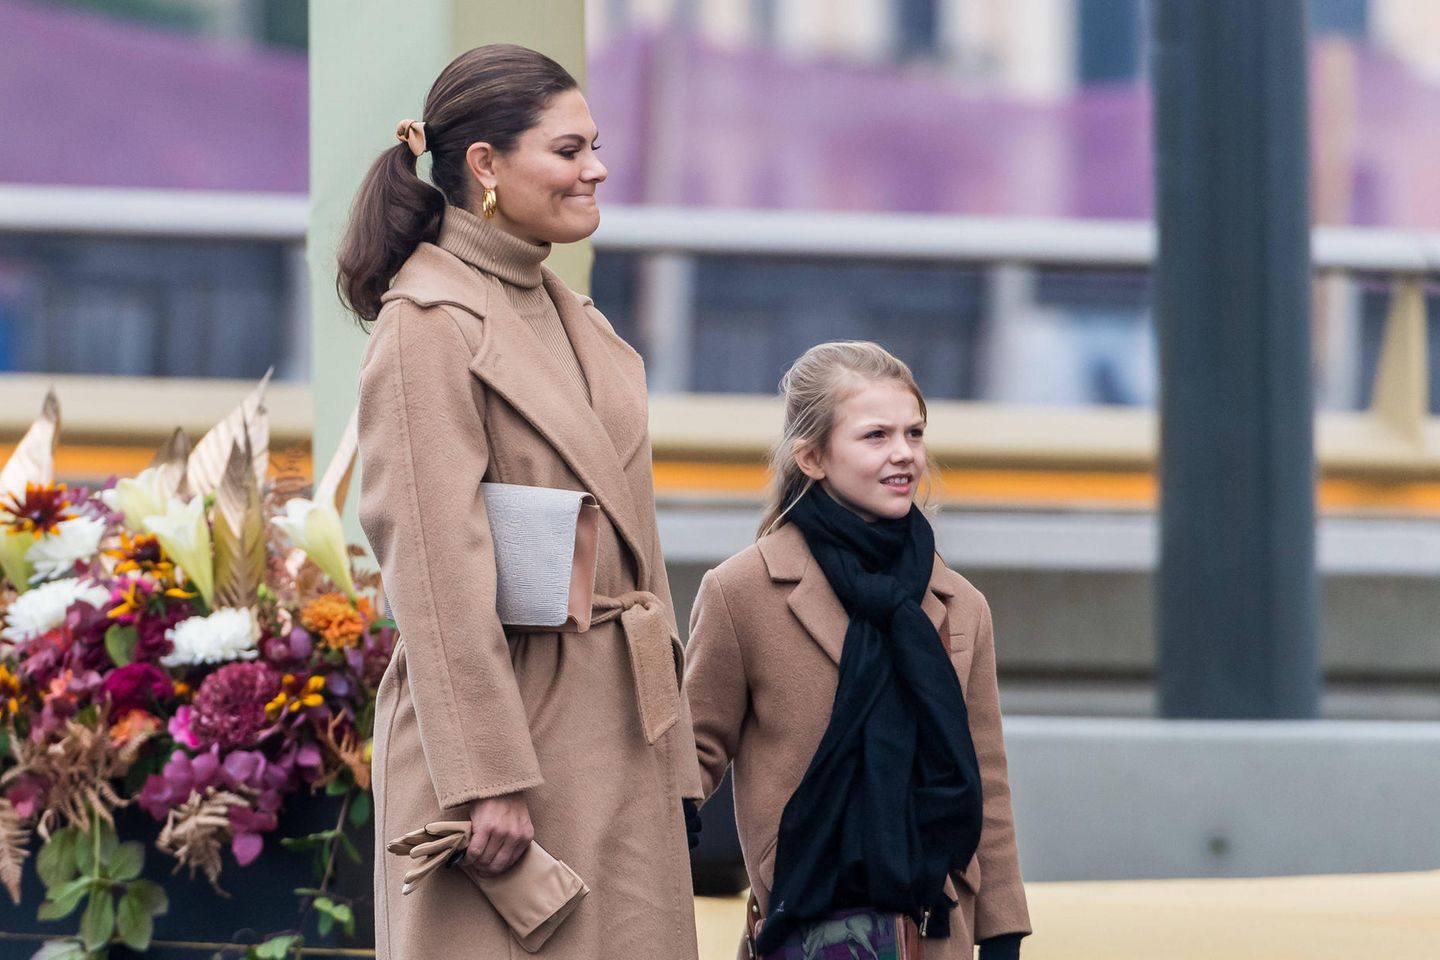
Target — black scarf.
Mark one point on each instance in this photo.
(891, 801)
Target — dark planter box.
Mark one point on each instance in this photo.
(262, 901)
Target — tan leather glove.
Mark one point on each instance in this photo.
(533, 897)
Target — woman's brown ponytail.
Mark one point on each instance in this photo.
(395, 211)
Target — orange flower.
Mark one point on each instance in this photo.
(336, 620)
(136, 723)
(40, 511)
(294, 697)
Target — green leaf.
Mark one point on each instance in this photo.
(277, 947)
(127, 863)
(150, 895)
(336, 789)
(345, 916)
(350, 849)
(324, 904)
(56, 861)
(98, 923)
(325, 923)
(60, 950)
(135, 920)
(85, 853)
(63, 900)
(109, 842)
(120, 641)
(360, 809)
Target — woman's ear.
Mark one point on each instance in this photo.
(807, 458)
(480, 161)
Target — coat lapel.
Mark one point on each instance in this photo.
(614, 372)
(514, 364)
(788, 559)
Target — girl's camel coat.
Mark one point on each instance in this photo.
(764, 654)
(455, 388)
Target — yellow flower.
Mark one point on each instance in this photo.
(315, 528)
(184, 535)
(293, 697)
(132, 600)
(9, 692)
(140, 498)
(39, 511)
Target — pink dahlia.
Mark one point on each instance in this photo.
(229, 708)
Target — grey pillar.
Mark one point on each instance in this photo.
(1236, 602)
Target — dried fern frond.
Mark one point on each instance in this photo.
(14, 849)
(77, 770)
(196, 831)
(346, 748)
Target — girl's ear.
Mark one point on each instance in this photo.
(808, 458)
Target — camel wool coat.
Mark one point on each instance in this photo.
(456, 389)
(766, 635)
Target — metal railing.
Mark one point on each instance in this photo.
(1396, 437)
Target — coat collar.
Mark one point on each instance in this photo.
(789, 560)
(597, 441)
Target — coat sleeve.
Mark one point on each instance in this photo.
(423, 452)
(716, 681)
(1000, 904)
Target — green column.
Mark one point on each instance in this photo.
(1237, 589)
(371, 64)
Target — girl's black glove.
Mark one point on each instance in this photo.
(692, 822)
(1004, 947)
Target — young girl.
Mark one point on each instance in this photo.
(849, 676)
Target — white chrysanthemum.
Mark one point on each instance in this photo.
(74, 541)
(227, 634)
(43, 608)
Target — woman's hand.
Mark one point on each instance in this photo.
(500, 831)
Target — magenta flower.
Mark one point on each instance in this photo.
(179, 728)
(229, 708)
(136, 686)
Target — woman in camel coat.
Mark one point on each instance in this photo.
(482, 365)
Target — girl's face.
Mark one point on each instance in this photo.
(875, 454)
(545, 185)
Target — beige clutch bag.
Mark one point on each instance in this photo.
(534, 897)
(544, 543)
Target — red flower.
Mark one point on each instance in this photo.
(136, 687)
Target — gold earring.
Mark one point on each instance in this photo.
(489, 203)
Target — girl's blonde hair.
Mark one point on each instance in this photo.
(813, 389)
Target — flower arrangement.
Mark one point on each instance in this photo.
(193, 642)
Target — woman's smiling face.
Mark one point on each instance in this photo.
(875, 454)
(546, 185)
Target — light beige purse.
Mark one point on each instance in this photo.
(534, 897)
(544, 543)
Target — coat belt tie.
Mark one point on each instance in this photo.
(656, 657)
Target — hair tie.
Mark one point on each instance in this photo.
(412, 134)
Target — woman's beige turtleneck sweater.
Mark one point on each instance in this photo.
(516, 264)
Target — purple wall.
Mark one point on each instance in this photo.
(85, 99)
